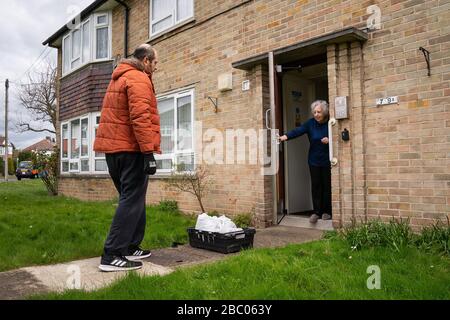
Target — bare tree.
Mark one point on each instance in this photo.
(195, 182)
(38, 96)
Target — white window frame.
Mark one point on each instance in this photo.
(88, 137)
(82, 41)
(174, 23)
(91, 117)
(93, 26)
(99, 26)
(64, 159)
(93, 158)
(173, 156)
(73, 59)
(74, 160)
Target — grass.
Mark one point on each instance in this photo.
(38, 229)
(326, 269)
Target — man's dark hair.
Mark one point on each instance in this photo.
(144, 50)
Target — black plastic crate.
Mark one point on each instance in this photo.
(221, 242)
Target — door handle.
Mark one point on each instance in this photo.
(331, 123)
(267, 119)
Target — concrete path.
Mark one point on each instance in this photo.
(84, 274)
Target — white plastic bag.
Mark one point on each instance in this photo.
(214, 224)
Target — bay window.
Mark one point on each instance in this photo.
(77, 141)
(165, 14)
(89, 42)
(176, 117)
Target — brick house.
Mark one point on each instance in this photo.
(46, 145)
(243, 65)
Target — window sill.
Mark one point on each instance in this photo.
(170, 31)
(80, 176)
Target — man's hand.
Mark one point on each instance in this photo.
(149, 164)
(325, 140)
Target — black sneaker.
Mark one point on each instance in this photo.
(118, 263)
(138, 254)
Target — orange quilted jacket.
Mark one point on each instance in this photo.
(129, 120)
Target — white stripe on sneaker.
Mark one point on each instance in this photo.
(123, 263)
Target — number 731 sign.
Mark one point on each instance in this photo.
(388, 100)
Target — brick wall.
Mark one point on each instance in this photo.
(397, 160)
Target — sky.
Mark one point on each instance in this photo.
(24, 25)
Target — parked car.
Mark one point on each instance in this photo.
(26, 170)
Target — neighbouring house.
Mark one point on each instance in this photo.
(46, 145)
(229, 70)
(11, 148)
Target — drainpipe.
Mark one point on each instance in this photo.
(127, 14)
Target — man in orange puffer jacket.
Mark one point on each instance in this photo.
(129, 134)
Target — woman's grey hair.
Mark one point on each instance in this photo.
(144, 50)
(323, 104)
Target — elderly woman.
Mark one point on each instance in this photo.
(318, 158)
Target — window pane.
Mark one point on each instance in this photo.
(65, 166)
(76, 63)
(76, 44)
(165, 164)
(98, 154)
(66, 54)
(102, 43)
(75, 139)
(161, 9)
(162, 25)
(86, 42)
(166, 113)
(85, 165)
(65, 141)
(184, 9)
(100, 165)
(184, 123)
(185, 162)
(102, 19)
(84, 138)
(74, 166)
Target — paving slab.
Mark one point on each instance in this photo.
(84, 274)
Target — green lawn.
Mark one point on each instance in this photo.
(38, 229)
(326, 269)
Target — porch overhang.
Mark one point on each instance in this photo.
(304, 49)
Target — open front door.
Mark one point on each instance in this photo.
(281, 194)
(276, 128)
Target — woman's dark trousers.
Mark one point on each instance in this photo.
(321, 189)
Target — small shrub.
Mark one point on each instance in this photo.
(435, 238)
(395, 234)
(243, 220)
(168, 205)
(48, 169)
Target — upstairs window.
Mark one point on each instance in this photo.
(89, 42)
(165, 14)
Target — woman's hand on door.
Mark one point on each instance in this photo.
(283, 138)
